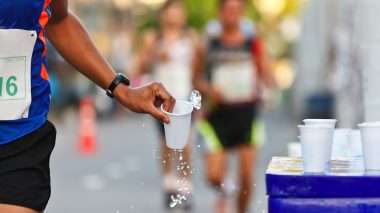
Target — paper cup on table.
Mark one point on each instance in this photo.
(316, 145)
(318, 122)
(355, 141)
(323, 122)
(177, 131)
(370, 135)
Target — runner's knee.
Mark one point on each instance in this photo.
(215, 179)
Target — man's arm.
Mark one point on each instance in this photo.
(71, 40)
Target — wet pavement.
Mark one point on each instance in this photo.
(124, 175)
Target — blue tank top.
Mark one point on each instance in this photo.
(24, 83)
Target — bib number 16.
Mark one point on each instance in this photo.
(8, 86)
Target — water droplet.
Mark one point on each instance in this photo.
(195, 99)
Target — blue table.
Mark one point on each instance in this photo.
(345, 188)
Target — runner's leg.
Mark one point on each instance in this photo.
(247, 162)
(216, 168)
(216, 165)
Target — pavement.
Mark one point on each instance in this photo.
(124, 175)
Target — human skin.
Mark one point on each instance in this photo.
(71, 40)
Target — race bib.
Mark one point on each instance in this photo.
(176, 78)
(237, 81)
(16, 49)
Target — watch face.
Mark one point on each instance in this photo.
(124, 79)
(120, 78)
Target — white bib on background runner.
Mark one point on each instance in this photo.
(16, 49)
(176, 77)
(237, 81)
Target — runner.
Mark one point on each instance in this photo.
(26, 137)
(234, 69)
(170, 53)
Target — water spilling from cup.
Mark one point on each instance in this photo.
(195, 99)
(177, 131)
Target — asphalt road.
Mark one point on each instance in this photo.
(124, 175)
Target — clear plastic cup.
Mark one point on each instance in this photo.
(316, 145)
(355, 141)
(341, 145)
(324, 122)
(178, 130)
(370, 135)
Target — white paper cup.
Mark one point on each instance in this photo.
(318, 122)
(355, 141)
(177, 131)
(370, 135)
(341, 146)
(323, 122)
(316, 145)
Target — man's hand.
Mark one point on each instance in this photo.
(146, 100)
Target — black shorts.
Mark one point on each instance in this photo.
(229, 126)
(24, 169)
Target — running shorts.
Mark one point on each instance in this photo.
(24, 169)
(229, 126)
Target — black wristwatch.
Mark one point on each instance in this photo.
(120, 78)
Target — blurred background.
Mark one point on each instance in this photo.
(313, 52)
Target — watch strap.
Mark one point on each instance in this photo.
(120, 78)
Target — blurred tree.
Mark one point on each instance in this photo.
(199, 12)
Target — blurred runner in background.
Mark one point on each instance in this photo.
(234, 69)
(170, 54)
(214, 27)
(27, 138)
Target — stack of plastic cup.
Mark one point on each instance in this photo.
(316, 143)
(355, 141)
(178, 130)
(370, 135)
